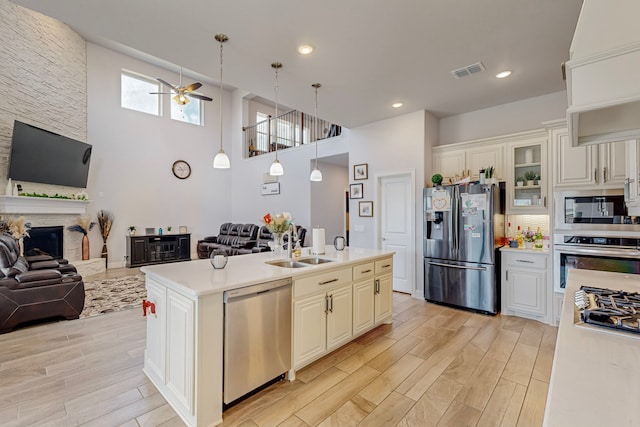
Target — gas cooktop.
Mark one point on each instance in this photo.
(607, 308)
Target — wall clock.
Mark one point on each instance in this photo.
(181, 169)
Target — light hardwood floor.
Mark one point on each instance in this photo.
(434, 366)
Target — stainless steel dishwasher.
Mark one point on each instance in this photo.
(257, 336)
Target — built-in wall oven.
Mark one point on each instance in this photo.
(594, 232)
(617, 254)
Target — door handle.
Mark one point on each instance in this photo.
(462, 267)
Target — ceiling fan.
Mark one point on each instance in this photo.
(182, 93)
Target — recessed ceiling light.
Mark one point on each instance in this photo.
(503, 74)
(397, 104)
(305, 49)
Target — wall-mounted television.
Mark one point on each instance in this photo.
(38, 155)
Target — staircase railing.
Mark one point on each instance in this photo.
(295, 128)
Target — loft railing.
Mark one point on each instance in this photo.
(295, 128)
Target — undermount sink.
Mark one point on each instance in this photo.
(315, 260)
(287, 263)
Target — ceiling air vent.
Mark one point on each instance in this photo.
(468, 70)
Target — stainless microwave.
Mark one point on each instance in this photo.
(593, 210)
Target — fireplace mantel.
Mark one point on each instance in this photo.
(41, 205)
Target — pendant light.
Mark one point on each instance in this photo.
(276, 168)
(316, 175)
(221, 161)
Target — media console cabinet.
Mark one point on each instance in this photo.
(158, 249)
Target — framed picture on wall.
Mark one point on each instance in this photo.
(356, 191)
(361, 171)
(365, 208)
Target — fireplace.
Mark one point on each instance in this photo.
(45, 240)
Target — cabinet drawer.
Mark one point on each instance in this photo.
(363, 271)
(527, 260)
(384, 266)
(321, 282)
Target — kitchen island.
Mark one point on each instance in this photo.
(595, 373)
(185, 318)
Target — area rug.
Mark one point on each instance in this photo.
(109, 295)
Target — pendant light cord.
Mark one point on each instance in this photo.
(221, 94)
(276, 65)
(316, 86)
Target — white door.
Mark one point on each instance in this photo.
(397, 233)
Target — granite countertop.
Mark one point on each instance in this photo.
(196, 278)
(596, 371)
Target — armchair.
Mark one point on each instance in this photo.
(37, 289)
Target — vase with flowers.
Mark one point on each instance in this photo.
(529, 237)
(83, 225)
(277, 224)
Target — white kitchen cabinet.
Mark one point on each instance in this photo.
(363, 297)
(172, 360)
(363, 305)
(322, 323)
(322, 314)
(632, 180)
(483, 156)
(524, 284)
(527, 181)
(383, 299)
(154, 359)
(588, 166)
(339, 317)
(471, 157)
(449, 163)
(383, 290)
(180, 357)
(310, 329)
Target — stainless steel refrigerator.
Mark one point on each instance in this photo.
(463, 229)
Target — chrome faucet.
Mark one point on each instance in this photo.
(290, 235)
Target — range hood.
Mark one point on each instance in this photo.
(603, 74)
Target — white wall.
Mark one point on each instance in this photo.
(328, 201)
(519, 116)
(133, 154)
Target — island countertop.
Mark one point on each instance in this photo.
(198, 277)
(594, 379)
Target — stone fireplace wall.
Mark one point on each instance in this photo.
(72, 249)
(43, 82)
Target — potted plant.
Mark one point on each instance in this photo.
(488, 175)
(132, 230)
(169, 229)
(538, 179)
(530, 176)
(436, 179)
(520, 181)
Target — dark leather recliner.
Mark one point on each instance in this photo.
(36, 288)
(260, 244)
(223, 241)
(205, 245)
(246, 238)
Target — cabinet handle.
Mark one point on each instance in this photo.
(595, 175)
(327, 282)
(326, 304)
(331, 303)
(544, 201)
(365, 271)
(604, 174)
(525, 261)
(377, 287)
(386, 266)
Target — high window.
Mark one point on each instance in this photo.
(135, 93)
(189, 113)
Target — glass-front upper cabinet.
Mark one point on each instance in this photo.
(527, 183)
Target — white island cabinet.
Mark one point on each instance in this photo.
(184, 350)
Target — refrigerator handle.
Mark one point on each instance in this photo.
(454, 219)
